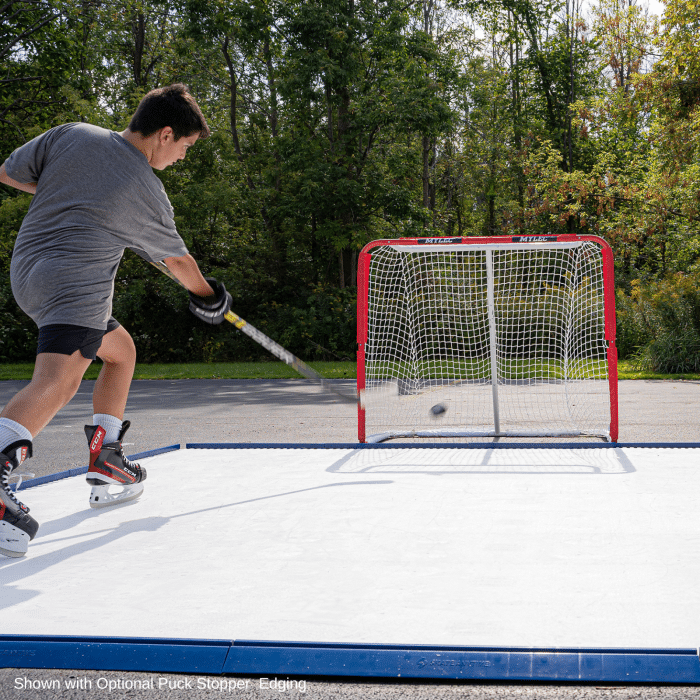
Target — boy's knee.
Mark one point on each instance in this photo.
(129, 349)
(118, 348)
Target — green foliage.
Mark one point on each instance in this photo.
(318, 322)
(638, 184)
(632, 333)
(659, 324)
(323, 328)
(12, 211)
(18, 334)
(336, 122)
(682, 24)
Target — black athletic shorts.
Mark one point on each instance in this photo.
(65, 339)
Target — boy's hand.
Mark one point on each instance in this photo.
(211, 309)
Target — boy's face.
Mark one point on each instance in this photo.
(167, 150)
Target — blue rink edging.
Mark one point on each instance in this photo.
(435, 445)
(77, 471)
(367, 446)
(270, 659)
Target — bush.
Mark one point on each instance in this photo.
(18, 334)
(632, 333)
(316, 323)
(671, 353)
(659, 324)
(320, 325)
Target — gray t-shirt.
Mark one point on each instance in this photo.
(96, 195)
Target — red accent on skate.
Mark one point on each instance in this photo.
(97, 438)
(96, 444)
(3, 508)
(128, 476)
(97, 470)
(22, 454)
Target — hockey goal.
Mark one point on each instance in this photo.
(508, 336)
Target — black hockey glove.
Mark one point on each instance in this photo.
(211, 309)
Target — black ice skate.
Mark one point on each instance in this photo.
(109, 467)
(17, 527)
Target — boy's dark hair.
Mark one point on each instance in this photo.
(171, 106)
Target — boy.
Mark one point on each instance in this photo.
(95, 194)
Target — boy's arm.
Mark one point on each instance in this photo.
(7, 180)
(187, 272)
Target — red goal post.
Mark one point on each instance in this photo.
(511, 335)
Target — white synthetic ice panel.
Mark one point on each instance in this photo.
(589, 548)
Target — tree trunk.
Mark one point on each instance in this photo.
(138, 30)
(426, 171)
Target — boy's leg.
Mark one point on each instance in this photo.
(118, 354)
(54, 383)
(108, 465)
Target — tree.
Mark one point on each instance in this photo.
(640, 189)
(321, 97)
(36, 56)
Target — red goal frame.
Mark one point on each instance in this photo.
(363, 270)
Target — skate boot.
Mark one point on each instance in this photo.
(109, 466)
(17, 527)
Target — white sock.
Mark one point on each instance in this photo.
(11, 431)
(111, 424)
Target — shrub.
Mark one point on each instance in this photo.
(662, 321)
(18, 334)
(632, 333)
(319, 325)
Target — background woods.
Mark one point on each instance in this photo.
(336, 122)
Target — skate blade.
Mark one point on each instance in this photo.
(13, 541)
(100, 497)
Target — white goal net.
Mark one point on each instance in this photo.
(497, 338)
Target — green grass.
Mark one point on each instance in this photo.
(476, 368)
(275, 370)
(215, 370)
(626, 370)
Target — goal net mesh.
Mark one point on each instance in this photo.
(510, 339)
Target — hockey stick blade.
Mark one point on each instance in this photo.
(271, 346)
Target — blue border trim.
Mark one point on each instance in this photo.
(215, 657)
(114, 653)
(269, 659)
(29, 483)
(466, 663)
(77, 471)
(435, 445)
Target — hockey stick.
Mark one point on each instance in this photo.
(271, 346)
